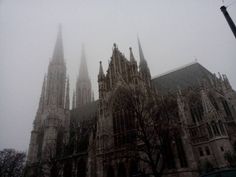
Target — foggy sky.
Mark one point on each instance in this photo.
(172, 33)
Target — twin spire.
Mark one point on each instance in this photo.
(58, 53)
(83, 80)
(83, 70)
(83, 93)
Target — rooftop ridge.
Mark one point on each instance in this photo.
(175, 69)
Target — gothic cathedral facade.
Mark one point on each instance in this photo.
(87, 138)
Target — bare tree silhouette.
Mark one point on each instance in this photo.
(11, 163)
(156, 125)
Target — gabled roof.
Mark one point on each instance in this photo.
(187, 76)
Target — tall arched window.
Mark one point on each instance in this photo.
(215, 128)
(181, 152)
(123, 122)
(209, 131)
(222, 130)
(226, 108)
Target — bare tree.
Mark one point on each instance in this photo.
(11, 163)
(156, 126)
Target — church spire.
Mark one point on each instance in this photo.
(83, 85)
(143, 67)
(58, 53)
(42, 96)
(141, 55)
(83, 70)
(56, 79)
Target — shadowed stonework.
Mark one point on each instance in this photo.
(170, 125)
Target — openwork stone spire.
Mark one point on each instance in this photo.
(56, 79)
(58, 53)
(143, 67)
(83, 85)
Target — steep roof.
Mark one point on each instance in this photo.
(184, 77)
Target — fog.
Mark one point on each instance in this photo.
(172, 33)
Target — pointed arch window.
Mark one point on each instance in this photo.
(215, 128)
(213, 101)
(201, 153)
(123, 123)
(181, 152)
(209, 130)
(221, 125)
(226, 108)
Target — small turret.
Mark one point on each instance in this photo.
(226, 82)
(101, 74)
(132, 59)
(101, 81)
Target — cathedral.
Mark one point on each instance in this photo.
(87, 138)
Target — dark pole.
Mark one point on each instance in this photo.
(229, 20)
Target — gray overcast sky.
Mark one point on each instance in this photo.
(173, 33)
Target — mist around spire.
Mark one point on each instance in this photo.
(83, 70)
(83, 84)
(141, 55)
(143, 66)
(58, 53)
(42, 96)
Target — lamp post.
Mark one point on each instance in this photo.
(229, 20)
